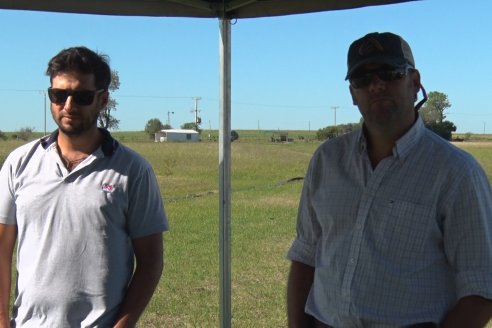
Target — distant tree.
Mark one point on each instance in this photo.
(3, 136)
(191, 126)
(153, 125)
(25, 133)
(106, 118)
(445, 129)
(166, 127)
(433, 115)
(349, 127)
(326, 133)
(433, 109)
(333, 131)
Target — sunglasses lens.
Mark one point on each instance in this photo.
(391, 75)
(80, 97)
(360, 81)
(364, 79)
(57, 96)
(83, 98)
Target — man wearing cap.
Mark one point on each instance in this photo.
(394, 225)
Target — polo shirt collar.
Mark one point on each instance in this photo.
(108, 146)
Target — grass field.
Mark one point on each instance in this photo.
(264, 205)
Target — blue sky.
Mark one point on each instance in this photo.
(287, 72)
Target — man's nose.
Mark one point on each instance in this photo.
(376, 83)
(68, 106)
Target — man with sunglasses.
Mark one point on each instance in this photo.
(394, 226)
(85, 210)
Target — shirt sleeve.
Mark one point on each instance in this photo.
(308, 230)
(468, 234)
(7, 198)
(146, 213)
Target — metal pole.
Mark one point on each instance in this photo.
(225, 174)
(335, 118)
(196, 111)
(44, 92)
(335, 114)
(169, 117)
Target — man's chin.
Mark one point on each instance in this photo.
(72, 131)
(383, 104)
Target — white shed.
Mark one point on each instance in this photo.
(177, 135)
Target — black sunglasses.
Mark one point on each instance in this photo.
(363, 79)
(80, 97)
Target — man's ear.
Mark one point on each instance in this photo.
(416, 81)
(352, 94)
(103, 100)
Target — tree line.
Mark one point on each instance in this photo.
(432, 113)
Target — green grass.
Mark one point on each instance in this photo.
(264, 205)
(482, 151)
(263, 214)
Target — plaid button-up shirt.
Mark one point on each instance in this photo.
(398, 244)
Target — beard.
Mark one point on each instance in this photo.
(77, 125)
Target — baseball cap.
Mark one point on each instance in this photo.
(379, 48)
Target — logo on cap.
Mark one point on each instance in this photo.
(370, 46)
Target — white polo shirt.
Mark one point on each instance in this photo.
(74, 256)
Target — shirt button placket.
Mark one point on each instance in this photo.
(353, 255)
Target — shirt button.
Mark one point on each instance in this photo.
(352, 260)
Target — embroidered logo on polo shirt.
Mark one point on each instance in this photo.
(108, 187)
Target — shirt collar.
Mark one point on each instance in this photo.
(108, 146)
(403, 145)
(409, 140)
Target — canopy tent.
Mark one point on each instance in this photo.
(225, 10)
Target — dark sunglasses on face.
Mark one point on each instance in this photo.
(80, 97)
(363, 79)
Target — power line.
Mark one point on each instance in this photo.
(151, 96)
(22, 90)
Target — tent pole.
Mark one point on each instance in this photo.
(225, 174)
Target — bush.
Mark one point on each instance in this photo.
(326, 133)
(25, 133)
(234, 135)
(444, 129)
(333, 131)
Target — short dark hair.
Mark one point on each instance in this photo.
(82, 60)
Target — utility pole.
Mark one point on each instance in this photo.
(169, 118)
(43, 92)
(335, 113)
(198, 120)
